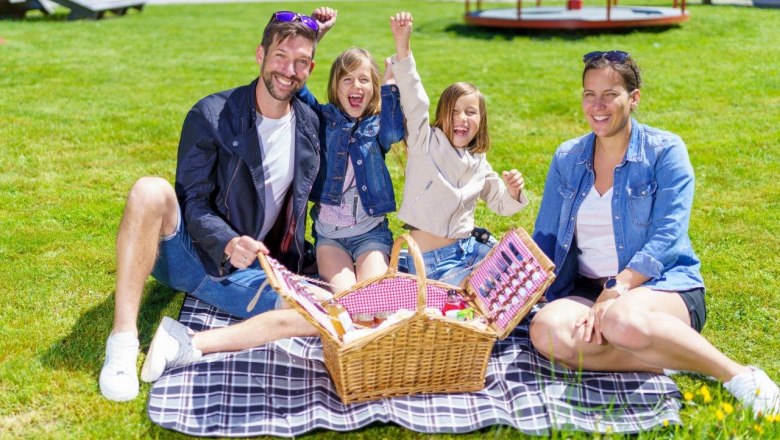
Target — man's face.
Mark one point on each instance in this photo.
(286, 67)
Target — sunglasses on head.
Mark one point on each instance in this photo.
(287, 16)
(613, 56)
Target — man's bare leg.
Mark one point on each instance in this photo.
(151, 211)
(254, 332)
(176, 345)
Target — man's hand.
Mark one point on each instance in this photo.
(243, 251)
(326, 19)
(514, 182)
(401, 25)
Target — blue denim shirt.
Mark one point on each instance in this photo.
(365, 144)
(651, 208)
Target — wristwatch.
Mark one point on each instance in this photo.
(614, 285)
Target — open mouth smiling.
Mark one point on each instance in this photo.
(355, 100)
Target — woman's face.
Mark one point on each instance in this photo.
(465, 120)
(606, 102)
(355, 90)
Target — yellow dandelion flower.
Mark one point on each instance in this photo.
(719, 415)
(705, 393)
(769, 418)
(727, 408)
(688, 396)
(758, 429)
(666, 423)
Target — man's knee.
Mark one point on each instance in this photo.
(151, 195)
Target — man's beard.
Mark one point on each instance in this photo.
(276, 94)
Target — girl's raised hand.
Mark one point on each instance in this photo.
(401, 25)
(514, 182)
(388, 77)
(326, 19)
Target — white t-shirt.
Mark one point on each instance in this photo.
(597, 254)
(277, 147)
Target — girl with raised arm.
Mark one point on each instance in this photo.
(447, 169)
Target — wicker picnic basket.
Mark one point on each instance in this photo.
(423, 353)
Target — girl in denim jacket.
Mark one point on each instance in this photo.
(447, 169)
(353, 191)
(614, 217)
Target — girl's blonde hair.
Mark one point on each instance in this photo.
(443, 120)
(345, 63)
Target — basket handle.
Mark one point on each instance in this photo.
(419, 265)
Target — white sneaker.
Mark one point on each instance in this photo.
(755, 389)
(171, 347)
(118, 378)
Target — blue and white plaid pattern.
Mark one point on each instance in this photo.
(283, 389)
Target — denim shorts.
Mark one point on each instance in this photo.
(378, 239)
(694, 299)
(449, 264)
(179, 267)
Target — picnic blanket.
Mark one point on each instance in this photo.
(283, 389)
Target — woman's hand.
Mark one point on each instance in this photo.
(594, 319)
(514, 182)
(401, 25)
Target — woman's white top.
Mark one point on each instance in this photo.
(597, 254)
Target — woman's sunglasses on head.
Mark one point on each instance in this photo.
(287, 16)
(613, 56)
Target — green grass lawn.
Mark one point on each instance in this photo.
(88, 107)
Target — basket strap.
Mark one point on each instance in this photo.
(419, 265)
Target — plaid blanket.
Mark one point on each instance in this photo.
(283, 389)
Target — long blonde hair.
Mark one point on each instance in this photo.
(345, 63)
(443, 120)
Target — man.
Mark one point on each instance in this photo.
(246, 163)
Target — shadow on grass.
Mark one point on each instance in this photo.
(84, 347)
(32, 17)
(485, 33)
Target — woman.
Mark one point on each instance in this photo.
(629, 295)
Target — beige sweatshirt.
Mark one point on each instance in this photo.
(442, 183)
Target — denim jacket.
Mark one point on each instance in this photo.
(365, 145)
(220, 183)
(651, 207)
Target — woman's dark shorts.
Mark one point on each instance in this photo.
(694, 299)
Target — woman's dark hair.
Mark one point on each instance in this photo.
(627, 69)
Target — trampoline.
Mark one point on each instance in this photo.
(575, 16)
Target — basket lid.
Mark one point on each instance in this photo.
(304, 298)
(509, 281)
